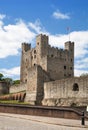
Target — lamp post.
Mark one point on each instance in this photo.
(83, 119)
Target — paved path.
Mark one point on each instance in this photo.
(26, 122)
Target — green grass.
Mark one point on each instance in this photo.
(13, 102)
(15, 93)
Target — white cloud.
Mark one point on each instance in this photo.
(81, 48)
(81, 43)
(37, 27)
(79, 37)
(12, 35)
(11, 72)
(2, 16)
(78, 72)
(59, 15)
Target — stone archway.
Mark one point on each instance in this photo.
(75, 87)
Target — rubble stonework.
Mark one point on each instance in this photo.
(48, 74)
(4, 87)
(66, 92)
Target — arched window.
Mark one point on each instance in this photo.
(75, 87)
(25, 80)
(65, 67)
(52, 55)
(37, 43)
(34, 56)
(34, 51)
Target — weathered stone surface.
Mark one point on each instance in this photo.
(4, 88)
(48, 75)
(18, 88)
(71, 91)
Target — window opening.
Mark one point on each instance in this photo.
(75, 87)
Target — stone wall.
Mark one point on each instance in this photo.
(18, 88)
(25, 61)
(44, 63)
(31, 85)
(60, 112)
(42, 77)
(55, 68)
(66, 92)
(4, 88)
(35, 85)
(49, 58)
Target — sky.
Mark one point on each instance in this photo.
(62, 20)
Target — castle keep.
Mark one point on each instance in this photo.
(47, 75)
(57, 63)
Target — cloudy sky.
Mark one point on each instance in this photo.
(22, 20)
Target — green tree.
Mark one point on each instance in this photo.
(16, 82)
(84, 75)
(1, 76)
(8, 80)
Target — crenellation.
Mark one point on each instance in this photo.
(26, 47)
(4, 87)
(63, 90)
(47, 75)
(54, 61)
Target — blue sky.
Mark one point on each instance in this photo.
(22, 20)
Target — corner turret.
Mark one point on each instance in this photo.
(26, 47)
(69, 46)
(42, 44)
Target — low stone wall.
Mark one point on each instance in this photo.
(66, 92)
(20, 96)
(4, 87)
(18, 88)
(60, 112)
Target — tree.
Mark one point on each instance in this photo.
(84, 75)
(1, 76)
(8, 80)
(16, 82)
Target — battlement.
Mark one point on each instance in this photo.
(47, 75)
(69, 45)
(26, 46)
(57, 62)
(43, 36)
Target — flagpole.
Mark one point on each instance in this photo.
(68, 30)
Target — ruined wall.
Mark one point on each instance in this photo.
(31, 85)
(18, 88)
(4, 88)
(55, 68)
(35, 84)
(25, 61)
(42, 77)
(44, 63)
(66, 92)
(58, 62)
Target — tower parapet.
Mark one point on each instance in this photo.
(55, 64)
(26, 47)
(42, 44)
(69, 46)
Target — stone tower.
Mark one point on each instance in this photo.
(69, 46)
(25, 58)
(44, 63)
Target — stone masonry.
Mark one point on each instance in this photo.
(4, 87)
(66, 92)
(48, 75)
(43, 64)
